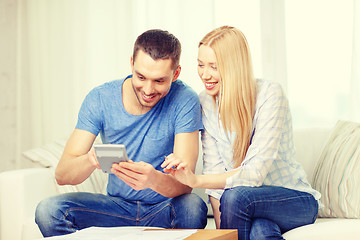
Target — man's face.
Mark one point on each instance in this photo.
(151, 79)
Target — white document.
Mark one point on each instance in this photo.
(164, 234)
(122, 233)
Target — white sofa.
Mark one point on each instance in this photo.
(21, 190)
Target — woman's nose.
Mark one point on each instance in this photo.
(206, 74)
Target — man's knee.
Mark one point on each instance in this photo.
(191, 210)
(45, 210)
(47, 215)
(191, 202)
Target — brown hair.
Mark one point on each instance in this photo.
(159, 44)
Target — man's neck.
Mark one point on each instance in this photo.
(130, 100)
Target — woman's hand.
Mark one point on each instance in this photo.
(180, 170)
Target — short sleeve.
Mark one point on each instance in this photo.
(188, 114)
(90, 114)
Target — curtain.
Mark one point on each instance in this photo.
(273, 41)
(322, 66)
(355, 67)
(66, 47)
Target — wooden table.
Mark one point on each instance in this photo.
(218, 234)
(209, 234)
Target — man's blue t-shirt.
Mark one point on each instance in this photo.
(148, 137)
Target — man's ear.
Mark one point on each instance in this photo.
(177, 73)
(132, 63)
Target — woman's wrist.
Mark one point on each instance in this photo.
(210, 181)
(197, 181)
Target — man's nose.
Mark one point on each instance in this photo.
(149, 88)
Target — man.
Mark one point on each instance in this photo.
(153, 114)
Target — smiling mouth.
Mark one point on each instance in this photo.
(210, 85)
(147, 98)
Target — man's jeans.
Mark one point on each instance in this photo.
(69, 212)
(266, 212)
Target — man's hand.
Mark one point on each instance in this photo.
(138, 175)
(92, 158)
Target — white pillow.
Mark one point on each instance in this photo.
(49, 156)
(337, 174)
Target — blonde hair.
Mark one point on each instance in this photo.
(237, 95)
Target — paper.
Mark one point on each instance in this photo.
(166, 234)
(122, 233)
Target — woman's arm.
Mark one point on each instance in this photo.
(271, 138)
(215, 205)
(183, 173)
(272, 120)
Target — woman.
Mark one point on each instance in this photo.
(253, 182)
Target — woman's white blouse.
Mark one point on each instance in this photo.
(270, 156)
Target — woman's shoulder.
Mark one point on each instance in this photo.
(269, 88)
(203, 96)
(270, 95)
(207, 101)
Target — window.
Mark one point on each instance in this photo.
(319, 59)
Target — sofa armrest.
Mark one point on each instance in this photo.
(20, 192)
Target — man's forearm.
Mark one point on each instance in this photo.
(168, 186)
(73, 171)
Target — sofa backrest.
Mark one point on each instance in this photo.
(309, 144)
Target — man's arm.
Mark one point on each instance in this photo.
(77, 162)
(186, 147)
(142, 175)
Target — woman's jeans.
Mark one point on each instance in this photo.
(266, 212)
(66, 213)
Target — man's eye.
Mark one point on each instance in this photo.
(201, 65)
(213, 67)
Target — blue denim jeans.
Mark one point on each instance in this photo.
(266, 212)
(69, 212)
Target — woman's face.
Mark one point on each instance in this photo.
(207, 70)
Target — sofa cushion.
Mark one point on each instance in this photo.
(49, 155)
(330, 230)
(337, 172)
